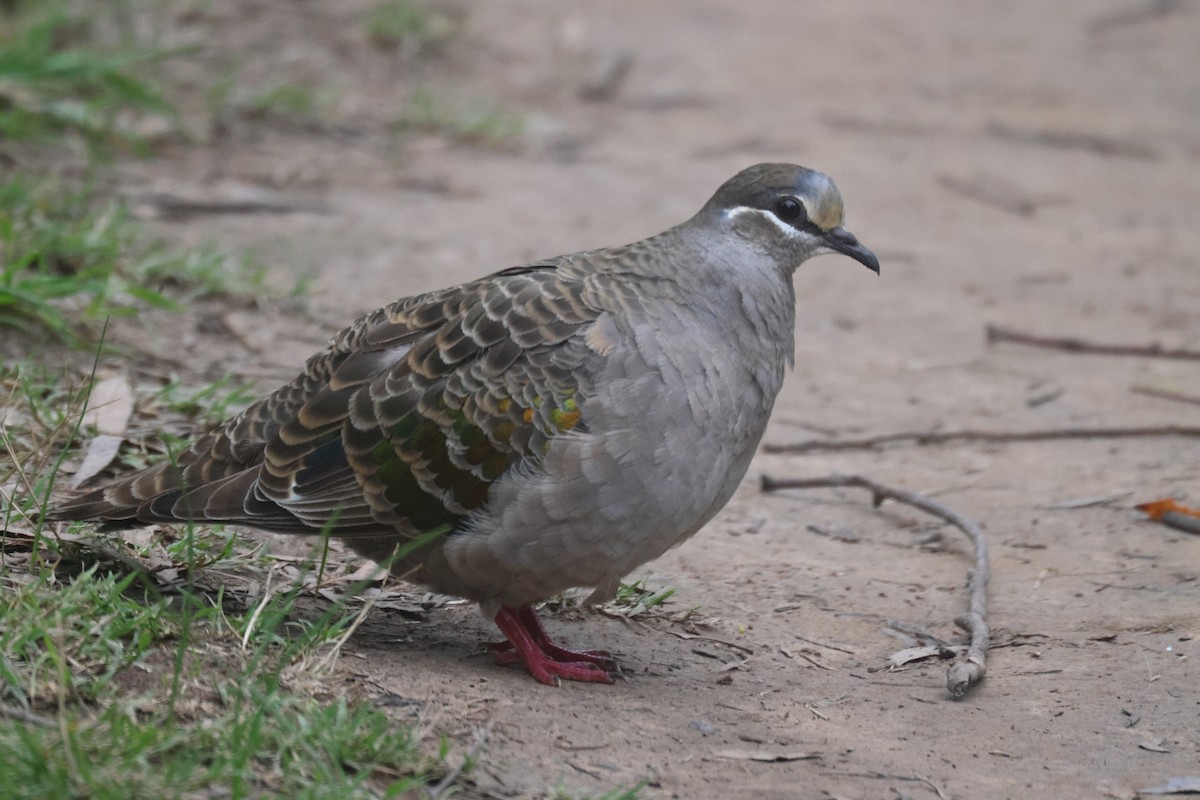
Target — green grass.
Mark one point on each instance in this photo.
(38, 421)
(70, 258)
(293, 102)
(209, 404)
(185, 274)
(634, 599)
(49, 647)
(631, 793)
(476, 122)
(56, 248)
(410, 27)
(112, 686)
(259, 742)
(56, 81)
(72, 727)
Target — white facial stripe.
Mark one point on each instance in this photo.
(737, 211)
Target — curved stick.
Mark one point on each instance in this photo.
(970, 670)
(995, 333)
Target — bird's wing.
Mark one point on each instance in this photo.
(400, 425)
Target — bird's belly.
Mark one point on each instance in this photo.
(597, 507)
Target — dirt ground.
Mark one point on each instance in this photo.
(1023, 164)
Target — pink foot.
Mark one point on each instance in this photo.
(529, 644)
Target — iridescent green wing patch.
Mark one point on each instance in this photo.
(482, 393)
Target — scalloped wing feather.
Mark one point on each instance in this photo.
(401, 425)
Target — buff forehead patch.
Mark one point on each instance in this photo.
(823, 200)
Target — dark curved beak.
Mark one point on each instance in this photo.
(843, 241)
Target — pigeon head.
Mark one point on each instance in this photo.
(789, 212)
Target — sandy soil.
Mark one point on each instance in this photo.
(1024, 164)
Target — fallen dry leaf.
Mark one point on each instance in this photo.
(910, 654)
(368, 571)
(100, 452)
(110, 405)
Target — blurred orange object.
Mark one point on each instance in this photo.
(1173, 513)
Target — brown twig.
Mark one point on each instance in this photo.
(1086, 141)
(992, 191)
(1165, 394)
(826, 645)
(731, 645)
(887, 776)
(965, 673)
(944, 437)
(1147, 12)
(995, 333)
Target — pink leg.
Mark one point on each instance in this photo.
(601, 658)
(546, 661)
(528, 618)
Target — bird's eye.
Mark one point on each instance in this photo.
(789, 209)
